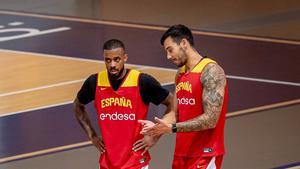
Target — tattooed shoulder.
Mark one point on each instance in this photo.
(213, 76)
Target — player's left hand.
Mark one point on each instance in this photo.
(145, 143)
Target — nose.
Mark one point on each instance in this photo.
(113, 64)
(169, 56)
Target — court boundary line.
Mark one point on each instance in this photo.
(262, 108)
(148, 27)
(41, 87)
(36, 108)
(44, 152)
(87, 143)
(52, 105)
(148, 67)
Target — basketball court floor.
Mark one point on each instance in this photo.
(48, 48)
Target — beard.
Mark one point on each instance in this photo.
(182, 59)
(180, 65)
(117, 75)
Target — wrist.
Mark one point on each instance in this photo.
(174, 128)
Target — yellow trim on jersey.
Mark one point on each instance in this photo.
(199, 67)
(131, 79)
(103, 79)
(202, 64)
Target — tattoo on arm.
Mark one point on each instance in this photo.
(213, 80)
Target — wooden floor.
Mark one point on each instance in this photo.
(36, 80)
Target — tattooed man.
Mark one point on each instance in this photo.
(198, 116)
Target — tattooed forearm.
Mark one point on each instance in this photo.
(214, 81)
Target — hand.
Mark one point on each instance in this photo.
(147, 125)
(98, 143)
(145, 143)
(159, 128)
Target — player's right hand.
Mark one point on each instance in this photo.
(161, 127)
(98, 143)
(147, 125)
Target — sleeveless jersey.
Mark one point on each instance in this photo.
(118, 112)
(189, 91)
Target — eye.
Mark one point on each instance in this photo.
(107, 60)
(117, 59)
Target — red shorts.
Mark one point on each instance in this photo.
(197, 162)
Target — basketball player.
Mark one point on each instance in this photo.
(121, 98)
(201, 99)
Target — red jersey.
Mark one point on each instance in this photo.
(208, 142)
(118, 113)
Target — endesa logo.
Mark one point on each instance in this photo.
(116, 116)
(186, 101)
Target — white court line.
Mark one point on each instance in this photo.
(263, 80)
(37, 108)
(52, 105)
(41, 87)
(46, 151)
(142, 67)
(141, 26)
(80, 59)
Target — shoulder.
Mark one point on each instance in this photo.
(146, 78)
(92, 78)
(212, 72)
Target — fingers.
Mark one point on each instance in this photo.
(139, 146)
(100, 148)
(138, 142)
(145, 150)
(99, 144)
(160, 121)
(142, 122)
(146, 130)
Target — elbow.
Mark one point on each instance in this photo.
(212, 124)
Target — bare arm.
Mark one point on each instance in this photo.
(171, 114)
(163, 125)
(150, 140)
(171, 111)
(214, 81)
(84, 121)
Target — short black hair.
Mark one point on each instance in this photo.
(177, 33)
(113, 44)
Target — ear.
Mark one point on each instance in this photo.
(125, 57)
(184, 43)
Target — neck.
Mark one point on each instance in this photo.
(120, 76)
(193, 59)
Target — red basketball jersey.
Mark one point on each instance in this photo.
(189, 96)
(118, 112)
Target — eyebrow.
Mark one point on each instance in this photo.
(168, 47)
